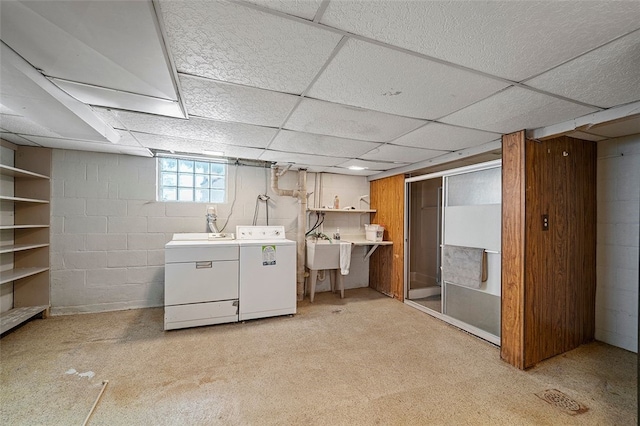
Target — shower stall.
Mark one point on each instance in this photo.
(450, 216)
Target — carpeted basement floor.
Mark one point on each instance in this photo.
(363, 360)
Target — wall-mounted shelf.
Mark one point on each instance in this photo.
(339, 210)
(25, 174)
(25, 245)
(17, 316)
(19, 273)
(23, 200)
(3, 227)
(20, 247)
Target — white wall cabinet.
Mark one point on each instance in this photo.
(25, 240)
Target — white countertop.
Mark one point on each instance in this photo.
(360, 240)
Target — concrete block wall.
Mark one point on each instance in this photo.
(108, 232)
(617, 244)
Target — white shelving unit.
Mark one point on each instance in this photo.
(27, 239)
(340, 210)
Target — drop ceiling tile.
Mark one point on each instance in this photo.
(401, 153)
(109, 116)
(443, 137)
(308, 143)
(6, 110)
(22, 125)
(94, 95)
(80, 145)
(103, 43)
(586, 136)
(301, 8)
(589, 78)
(16, 139)
(297, 158)
(516, 109)
(232, 102)
(372, 165)
(617, 129)
(325, 118)
(198, 128)
(367, 75)
(343, 171)
(514, 40)
(194, 146)
(230, 42)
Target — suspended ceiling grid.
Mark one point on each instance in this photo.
(322, 84)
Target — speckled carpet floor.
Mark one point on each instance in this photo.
(363, 360)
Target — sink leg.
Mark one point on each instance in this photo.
(313, 275)
(332, 278)
(340, 283)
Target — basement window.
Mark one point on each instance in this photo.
(191, 180)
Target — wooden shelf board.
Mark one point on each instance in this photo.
(3, 227)
(340, 210)
(16, 274)
(20, 173)
(17, 316)
(23, 200)
(20, 247)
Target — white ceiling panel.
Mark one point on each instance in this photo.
(343, 171)
(172, 143)
(322, 145)
(400, 153)
(301, 8)
(588, 78)
(198, 128)
(6, 110)
(94, 95)
(229, 42)
(16, 139)
(373, 165)
(511, 39)
(313, 160)
(620, 128)
(374, 77)
(16, 124)
(516, 109)
(89, 146)
(325, 118)
(586, 136)
(105, 43)
(108, 117)
(444, 137)
(232, 102)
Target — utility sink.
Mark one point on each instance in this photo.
(323, 254)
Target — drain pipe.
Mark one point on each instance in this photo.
(301, 194)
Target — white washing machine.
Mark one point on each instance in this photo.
(201, 280)
(267, 272)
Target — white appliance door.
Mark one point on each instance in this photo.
(202, 281)
(267, 280)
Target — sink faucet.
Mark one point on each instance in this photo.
(211, 220)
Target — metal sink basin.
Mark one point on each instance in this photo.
(323, 254)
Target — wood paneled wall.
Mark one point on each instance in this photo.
(548, 276)
(386, 265)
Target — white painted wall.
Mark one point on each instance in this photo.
(617, 260)
(108, 232)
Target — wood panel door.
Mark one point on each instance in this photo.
(550, 308)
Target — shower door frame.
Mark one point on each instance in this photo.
(407, 247)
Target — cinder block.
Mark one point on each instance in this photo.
(85, 189)
(118, 224)
(106, 242)
(68, 242)
(68, 207)
(145, 208)
(107, 207)
(155, 257)
(85, 224)
(146, 241)
(176, 224)
(126, 258)
(85, 260)
(145, 275)
(186, 210)
(106, 277)
(141, 190)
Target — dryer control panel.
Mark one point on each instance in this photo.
(260, 233)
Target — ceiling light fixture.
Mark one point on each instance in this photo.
(213, 153)
(357, 168)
